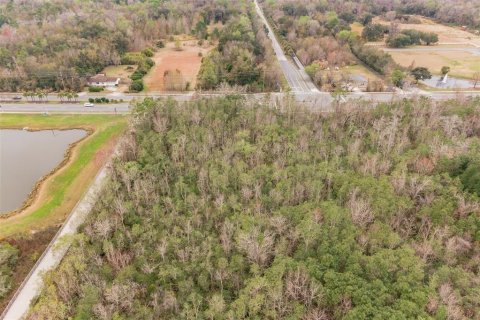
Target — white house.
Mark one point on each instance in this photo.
(101, 80)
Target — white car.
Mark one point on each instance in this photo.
(88, 104)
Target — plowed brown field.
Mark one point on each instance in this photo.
(187, 61)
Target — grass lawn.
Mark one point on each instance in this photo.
(61, 191)
(463, 64)
(361, 70)
(121, 71)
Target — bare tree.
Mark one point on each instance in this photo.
(360, 209)
(476, 79)
(259, 249)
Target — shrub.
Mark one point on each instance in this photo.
(398, 77)
(137, 75)
(372, 57)
(8, 259)
(131, 58)
(421, 73)
(147, 52)
(91, 100)
(399, 41)
(178, 45)
(429, 37)
(95, 89)
(160, 44)
(136, 86)
(373, 32)
(312, 69)
(411, 37)
(149, 62)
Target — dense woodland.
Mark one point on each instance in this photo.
(56, 44)
(226, 209)
(244, 58)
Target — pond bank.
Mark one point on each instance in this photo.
(58, 193)
(33, 194)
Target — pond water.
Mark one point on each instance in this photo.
(358, 78)
(451, 83)
(27, 156)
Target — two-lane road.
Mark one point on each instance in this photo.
(297, 78)
(63, 108)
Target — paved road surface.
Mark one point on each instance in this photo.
(321, 101)
(20, 303)
(475, 51)
(62, 108)
(297, 79)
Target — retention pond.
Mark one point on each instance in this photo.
(26, 157)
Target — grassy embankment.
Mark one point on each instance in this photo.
(59, 193)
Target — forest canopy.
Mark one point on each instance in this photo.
(227, 209)
(57, 44)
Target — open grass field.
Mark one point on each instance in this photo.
(462, 64)
(59, 193)
(362, 71)
(456, 48)
(446, 34)
(121, 71)
(187, 61)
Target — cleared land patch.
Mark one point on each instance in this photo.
(456, 48)
(446, 34)
(361, 71)
(462, 64)
(176, 69)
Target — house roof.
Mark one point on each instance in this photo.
(101, 77)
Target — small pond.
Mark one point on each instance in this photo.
(451, 83)
(27, 156)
